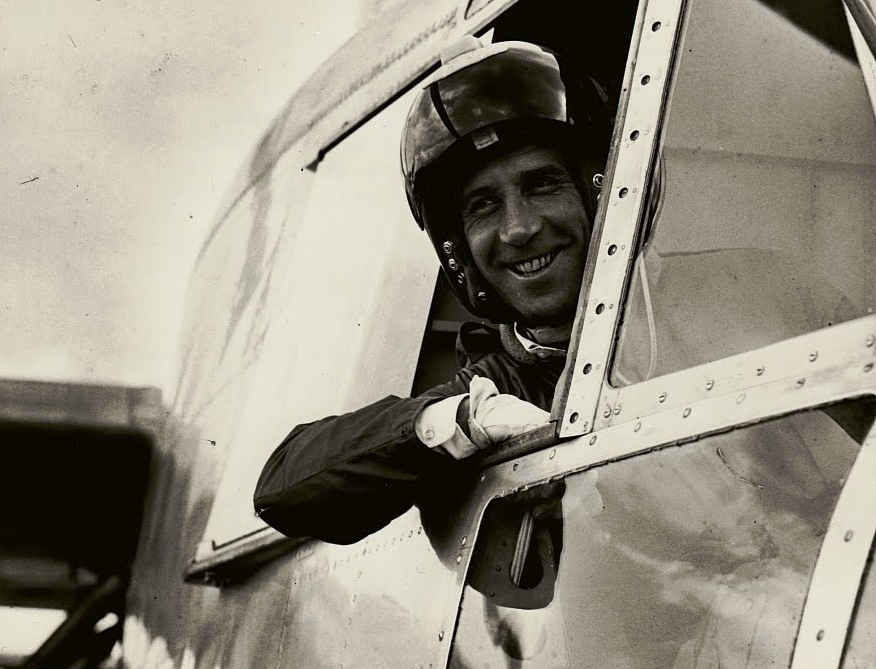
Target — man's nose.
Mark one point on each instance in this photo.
(520, 223)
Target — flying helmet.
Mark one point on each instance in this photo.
(483, 97)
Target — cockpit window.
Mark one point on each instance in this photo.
(764, 226)
(688, 557)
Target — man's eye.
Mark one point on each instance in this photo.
(545, 184)
(478, 206)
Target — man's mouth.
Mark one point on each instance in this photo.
(533, 266)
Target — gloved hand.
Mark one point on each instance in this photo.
(495, 417)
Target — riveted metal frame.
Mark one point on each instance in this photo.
(646, 85)
(841, 369)
(836, 580)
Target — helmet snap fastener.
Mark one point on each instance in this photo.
(448, 247)
(453, 264)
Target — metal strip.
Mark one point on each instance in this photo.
(646, 82)
(799, 360)
(836, 580)
(866, 57)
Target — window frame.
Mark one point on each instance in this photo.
(215, 564)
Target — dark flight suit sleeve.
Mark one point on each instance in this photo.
(343, 477)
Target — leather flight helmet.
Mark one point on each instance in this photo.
(482, 99)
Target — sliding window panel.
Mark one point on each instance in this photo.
(763, 222)
(687, 557)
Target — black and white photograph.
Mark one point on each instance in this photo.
(438, 334)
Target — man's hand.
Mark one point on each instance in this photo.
(495, 417)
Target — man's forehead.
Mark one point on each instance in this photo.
(503, 163)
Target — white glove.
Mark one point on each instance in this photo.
(495, 417)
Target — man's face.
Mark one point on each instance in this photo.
(528, 232)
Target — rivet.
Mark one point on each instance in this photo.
(515, 466)
(482, 296)
(740, 399)
(870, 341)
(440, 636)
(760, 370)
(655, 26)
(607, 412)
(662, 397)
(452, 264)
(623, 192)
(587, 368)
(593, 440)
(710, 384)
(492, 593)
(634, 135)
(820, 635)
(813, 356)
(483, 477)
(552, 454)
(801, 383)
(461, 277)
(462, 541)
(600, 308)
(458, 559)
(687, 412)
(638, 427)
(598, 180)
(617, 410)
(868, 367)
(573, 417)
(646, 79)
(848, 536)
(448, 247)
(612, 249)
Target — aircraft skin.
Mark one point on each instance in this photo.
(310, 298)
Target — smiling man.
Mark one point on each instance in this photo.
(500, 153)
(528, 231)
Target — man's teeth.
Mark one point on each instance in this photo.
(528, 266)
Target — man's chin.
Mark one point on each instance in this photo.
(548, 318)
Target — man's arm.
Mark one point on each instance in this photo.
(343, 477)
